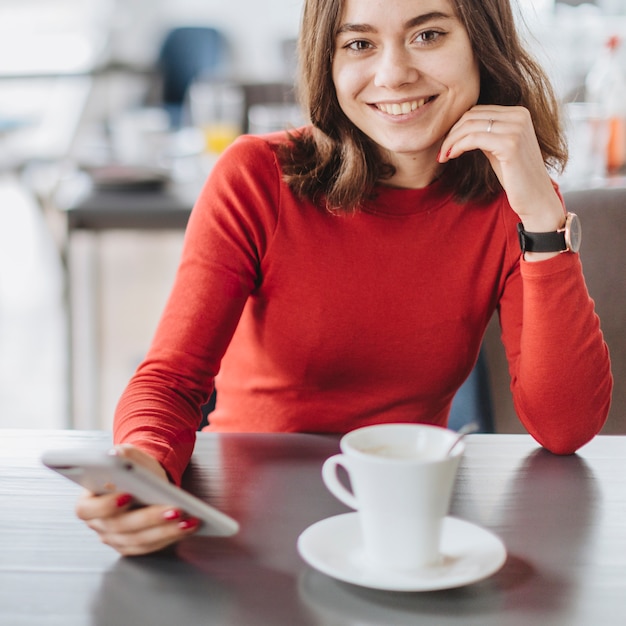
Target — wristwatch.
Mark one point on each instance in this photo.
(566, 239)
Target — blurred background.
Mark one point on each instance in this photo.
(111, 114)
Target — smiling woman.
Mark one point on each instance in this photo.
(343, 273)
(508, 75)
(403, 80)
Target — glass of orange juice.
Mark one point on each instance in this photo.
(218, 109)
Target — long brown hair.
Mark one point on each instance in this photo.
(335, 163)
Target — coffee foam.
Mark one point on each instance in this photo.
(396, 451)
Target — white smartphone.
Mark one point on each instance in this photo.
(101, 472)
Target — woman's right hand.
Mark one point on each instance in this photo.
(135, 531)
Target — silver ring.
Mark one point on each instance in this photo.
(489, 126)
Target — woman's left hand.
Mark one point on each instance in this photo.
(506, 135)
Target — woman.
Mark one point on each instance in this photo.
(345, 275)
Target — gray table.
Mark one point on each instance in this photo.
(563, 520)
(144, 210)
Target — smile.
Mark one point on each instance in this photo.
(402, 108)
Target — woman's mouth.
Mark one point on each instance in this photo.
(402, 108)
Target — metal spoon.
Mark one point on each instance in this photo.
(470, 427)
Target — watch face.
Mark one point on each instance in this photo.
(573, 232)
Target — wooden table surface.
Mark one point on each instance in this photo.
(562, 519)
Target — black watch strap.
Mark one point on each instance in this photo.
(541, 242)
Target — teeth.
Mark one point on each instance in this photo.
(401, 108)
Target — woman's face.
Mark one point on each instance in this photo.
(404, 72)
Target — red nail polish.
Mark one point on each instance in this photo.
(189, 523)
(171, 515)
(123, 500)
(448, 152)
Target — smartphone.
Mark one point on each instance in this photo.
(101, 472)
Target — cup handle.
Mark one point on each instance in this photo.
(329, 476)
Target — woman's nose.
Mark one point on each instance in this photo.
(395, 67)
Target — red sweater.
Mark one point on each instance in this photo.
(323, 323)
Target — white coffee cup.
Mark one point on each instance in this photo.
(401, 479)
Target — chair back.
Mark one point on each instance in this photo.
(602, 212)
(189, 53)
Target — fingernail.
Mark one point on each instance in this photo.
(172, 514)
(448, 152)
(123, 500)
(189, 523)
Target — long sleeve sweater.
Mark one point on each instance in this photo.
(309, 321)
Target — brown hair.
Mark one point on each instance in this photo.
(337, 164)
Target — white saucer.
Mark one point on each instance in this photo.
(334, 546)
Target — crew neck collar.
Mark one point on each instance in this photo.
(401, 201)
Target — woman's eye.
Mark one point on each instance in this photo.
(358, 45)
(429, 36)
